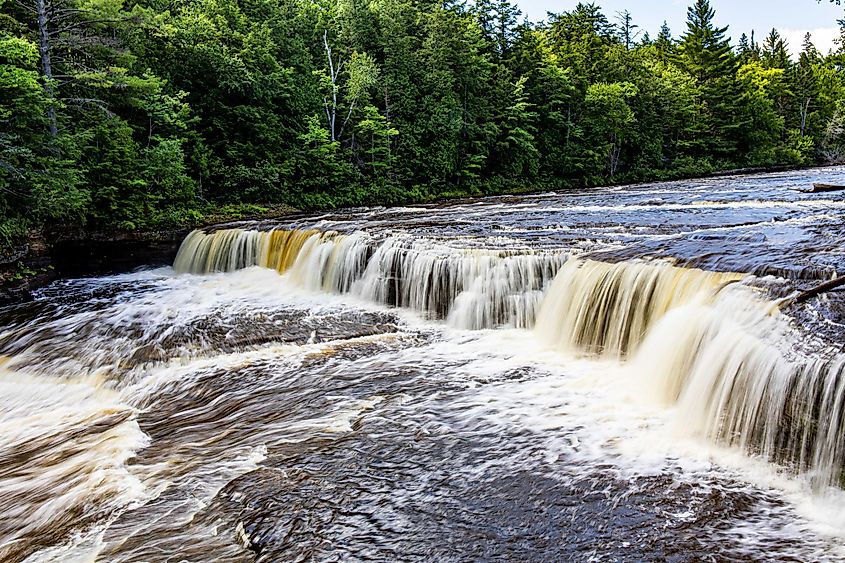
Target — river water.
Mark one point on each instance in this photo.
(611, 375)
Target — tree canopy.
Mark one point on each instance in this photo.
(141, 113)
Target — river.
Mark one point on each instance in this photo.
(612, 375)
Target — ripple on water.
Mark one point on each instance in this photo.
(234, 416)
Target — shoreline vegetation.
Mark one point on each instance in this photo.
(143, 116)
(33, 262)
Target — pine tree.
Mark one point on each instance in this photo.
(705, 53)
(775, 51)
(499, 20)
(664, 43)
(581, 40)
(743, 49)
(775, 56)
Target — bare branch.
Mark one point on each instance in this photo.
(82, 24)
(100, 104)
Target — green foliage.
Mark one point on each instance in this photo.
(833, 139)
(609, 120)
(151, 113)
(12, 230)
(22, 272)
(759, 85)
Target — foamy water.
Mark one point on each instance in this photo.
(339, 390)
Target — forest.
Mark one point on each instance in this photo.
(143, 114)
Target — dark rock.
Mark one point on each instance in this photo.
(105, 253)
(38, 262)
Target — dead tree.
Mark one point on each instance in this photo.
(334, 73)
(818, 290)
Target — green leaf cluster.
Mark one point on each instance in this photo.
(136, 114)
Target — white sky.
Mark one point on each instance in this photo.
(793, 18)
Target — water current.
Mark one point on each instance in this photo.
(616, 374)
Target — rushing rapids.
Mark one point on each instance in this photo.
(607, 309)
(722, 366)
(543, 378)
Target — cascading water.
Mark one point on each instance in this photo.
(607, 309)
(629, 405)
(710, 348)
(734, 371)
(62, 453)
(471, 288)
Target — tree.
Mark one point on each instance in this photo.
(23, 106)
(553, 98)
(775, 51)
(760, 87)
(628, 29)
(498, 20)
(705, 53)
(664, 44)
(374, 136)
(806, 86)
(362, 74)
(321, 171)
(610, 120)
(139, 114)
(515, 149)
(833, 145)
(704, 50)
(453, 112)
(33, 178)
(582, 39)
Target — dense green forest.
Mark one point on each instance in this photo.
(135, 114)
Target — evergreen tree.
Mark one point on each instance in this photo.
(499, 20)
(775, 51)
(705, 53)
(664, 44)
(743, 49)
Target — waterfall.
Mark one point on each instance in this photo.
(607, 309)
(736, 375)
(714, 350)
(732, 367)
(470, 288)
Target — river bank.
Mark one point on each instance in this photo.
(57, 253)
(76, 252)
(41, 260)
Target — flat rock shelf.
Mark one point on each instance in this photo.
(611, 374)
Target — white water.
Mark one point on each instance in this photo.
(607, 309)
(64, 450)
(652, 368)
(709, 347)
(471, 288)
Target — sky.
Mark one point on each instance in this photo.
(793, 18)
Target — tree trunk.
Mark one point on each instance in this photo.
(334, 73)
(46, 63)
(615, 153)
(805, 109)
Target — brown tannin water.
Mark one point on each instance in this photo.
(607, 375)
